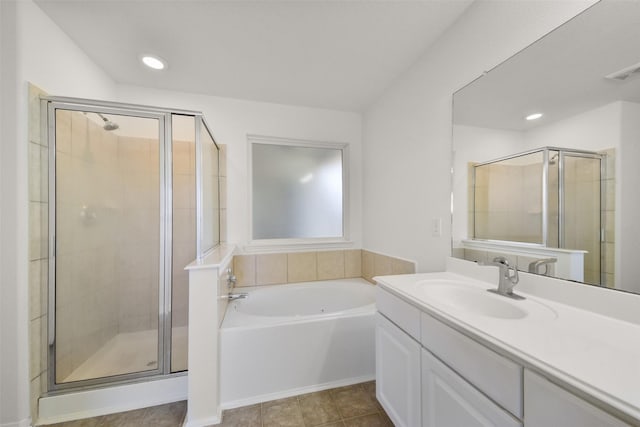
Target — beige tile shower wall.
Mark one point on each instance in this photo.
(583, 212)
(138, 225)
(184, 227)
(38, 251)
(508, 203)
(266, 269)
(526, 223)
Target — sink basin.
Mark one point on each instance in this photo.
(463, 297)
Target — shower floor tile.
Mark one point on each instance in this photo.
(130, 352)
(340, 407)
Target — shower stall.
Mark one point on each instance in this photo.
(548, 197)
(133, 199)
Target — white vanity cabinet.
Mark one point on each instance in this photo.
(397, 373)
(398, 359)
(432, 375)
(546, 404)
(449, 400)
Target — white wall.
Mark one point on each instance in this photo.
(45, 56)
(593, 130)
(14, 393)
(475, 144)
(232, 119)
(407, 132)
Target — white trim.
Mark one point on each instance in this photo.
(22, 423)
(295, 392)
(296, 245)
(272, 245)
(203, 422)
(109, 400)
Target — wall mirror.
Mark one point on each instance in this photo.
(557, 195)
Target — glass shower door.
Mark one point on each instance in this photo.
(108, 263)
(581, 218)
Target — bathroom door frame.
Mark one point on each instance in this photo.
(50, 105)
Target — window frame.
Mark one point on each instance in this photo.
(267, 245)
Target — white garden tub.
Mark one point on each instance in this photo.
(290, 339)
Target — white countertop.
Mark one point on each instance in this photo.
(593, 353)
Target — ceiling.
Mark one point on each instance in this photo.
(328, 54)
(561, 75)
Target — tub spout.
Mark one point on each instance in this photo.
(232, 297)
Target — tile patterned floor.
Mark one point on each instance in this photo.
(351, 406)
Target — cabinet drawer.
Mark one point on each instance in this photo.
(400, 312)
(448, 400)
(546, 404)
(496, 376)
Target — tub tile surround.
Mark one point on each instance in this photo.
(592, 327)
(296, 267)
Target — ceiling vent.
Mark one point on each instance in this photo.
(625, 73)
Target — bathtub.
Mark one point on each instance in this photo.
(285, 340)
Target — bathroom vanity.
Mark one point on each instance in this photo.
(449, 353)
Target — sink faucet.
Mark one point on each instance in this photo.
(507, 280)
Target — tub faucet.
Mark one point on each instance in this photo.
(232, 297)
(507, 280)
(231, 279)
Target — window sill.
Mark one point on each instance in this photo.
(296, 245)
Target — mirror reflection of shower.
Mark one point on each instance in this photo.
(548, 197)
(108, 124)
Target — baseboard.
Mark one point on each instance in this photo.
(295, 392)
(108, 400)
(22, 423)
(203, 422)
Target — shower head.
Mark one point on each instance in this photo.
(108, 124)
(552, 160)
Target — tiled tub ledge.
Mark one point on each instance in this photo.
(295, 267)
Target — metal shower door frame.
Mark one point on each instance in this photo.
(165, 235)
(563, 153)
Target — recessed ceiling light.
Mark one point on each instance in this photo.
(153, 62)
(534, 116)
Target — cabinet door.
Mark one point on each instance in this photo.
(546, 404)
(397, 373)
(450, 401)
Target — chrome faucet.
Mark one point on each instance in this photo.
(536, 266)
(232, 297)
(231, 282)
(231, 279)
(507, 279)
